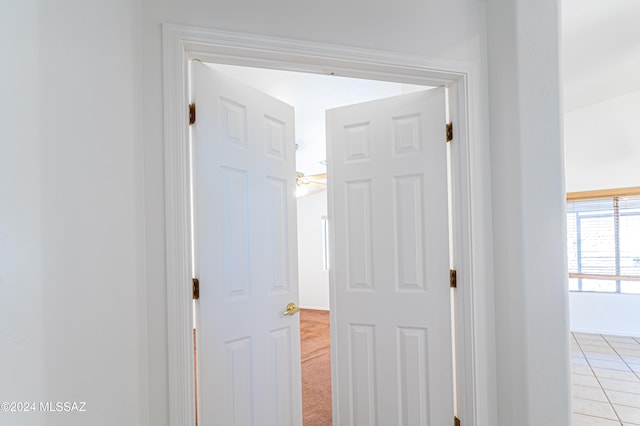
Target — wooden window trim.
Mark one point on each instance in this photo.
(604, 193)
(605, 277)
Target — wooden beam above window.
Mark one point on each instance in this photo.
(604, 193)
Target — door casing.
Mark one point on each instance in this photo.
(470, 258)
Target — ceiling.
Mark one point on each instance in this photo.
(600, 50)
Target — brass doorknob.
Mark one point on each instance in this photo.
(292, 309)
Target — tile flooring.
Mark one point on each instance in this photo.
(606, 380)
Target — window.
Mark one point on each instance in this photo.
(325, 243)
(603, 230)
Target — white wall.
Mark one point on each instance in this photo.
(71, 234)
(602, 144)
(314, 280)
(527, 165)
(605, 313)
(603, 152)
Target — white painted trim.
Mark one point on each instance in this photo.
(178, 231)
(181, 43)
(462, 251)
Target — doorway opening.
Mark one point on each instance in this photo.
(311, 95)
(183, 43)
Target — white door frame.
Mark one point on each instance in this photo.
(183, 43)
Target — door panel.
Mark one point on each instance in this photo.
(245, 245)
(388, 206)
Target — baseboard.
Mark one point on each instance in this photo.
(315, 308)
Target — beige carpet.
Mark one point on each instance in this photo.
(316, 367)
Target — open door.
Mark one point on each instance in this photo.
(388, 207)
(246, 254)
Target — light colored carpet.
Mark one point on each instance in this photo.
(316, 367)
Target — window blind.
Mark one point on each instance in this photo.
(604, 244)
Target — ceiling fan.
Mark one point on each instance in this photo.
(316, 181)
(305, 183)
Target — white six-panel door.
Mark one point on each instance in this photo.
(246, 254)
(388, 210)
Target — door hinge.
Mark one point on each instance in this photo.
(192, 113)
(449, 132)
(195, 291)
(453, 280)
(456, 421)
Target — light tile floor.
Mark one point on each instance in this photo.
(606, 380)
